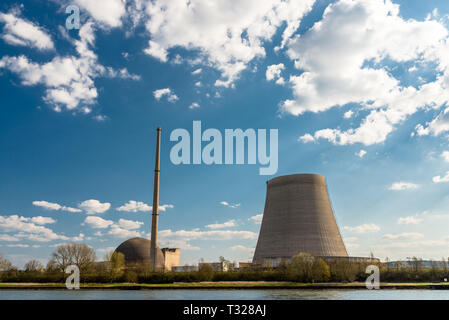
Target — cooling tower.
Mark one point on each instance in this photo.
(298, 217)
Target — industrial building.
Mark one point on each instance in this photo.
(140, 252)
(298, 218)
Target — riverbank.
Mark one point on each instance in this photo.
(225, 285)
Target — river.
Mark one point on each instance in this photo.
(224, 294)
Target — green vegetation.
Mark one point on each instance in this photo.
(303, 270)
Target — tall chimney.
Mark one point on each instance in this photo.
(154, 223)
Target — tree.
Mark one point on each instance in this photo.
(206, 272)
(300, 267)
(33, 266)
(320, 271)
(68, 254)
(5, 264)
(115, 263)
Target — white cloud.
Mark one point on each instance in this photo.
(135, 206)
(441, 179)
(274, 73)
(226, 34)
(227, 224)
(306, 138)
(241, 248)
(404, 236)
(54, 206)
(129, 224)
(342, 59)
(8, 238)
(398, 186)
(348, 114)
(226, 204)
(21, 32)
(364, 228)
(257, 219)
(42, 220)
(93, 206)
(437, 126)
(194, 105)
(97, 222)
(119, 232)
(107, 12)
(361, 153)
(197, 71)
(171, 96)
(28, 229)
(409, 220)
(69, 80)
(196, 234)
(445, 156)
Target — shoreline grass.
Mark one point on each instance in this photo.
(226, 285)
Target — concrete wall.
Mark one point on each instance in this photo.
(298, 217)
(172, 257)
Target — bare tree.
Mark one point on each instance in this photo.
(34, 266)
(73, 253)
(5, 264)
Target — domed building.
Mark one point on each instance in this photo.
(137, 254)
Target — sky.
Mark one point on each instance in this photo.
(357, 89)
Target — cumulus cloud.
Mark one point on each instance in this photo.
(93, 206)
(21, 32)
(27, 229)
(343, 56)
(54, 206)
(160, 93)
(134, 206)
(398, 186)
(123, 233)
(257, 219)
(8, 238)
(97, 222)
(364, 228)
(437, 126)
(227, 224)
(226, 34)
(107, 12)
(137, 206)
(69, 80)
(274, 73)
(441, 179)
(129, 224)
(409, 220)
(227, 204)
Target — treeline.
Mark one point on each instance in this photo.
(302, 268)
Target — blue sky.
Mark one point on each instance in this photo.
(357, 90)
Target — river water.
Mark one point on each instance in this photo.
(224, 294)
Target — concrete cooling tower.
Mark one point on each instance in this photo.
(298, 218)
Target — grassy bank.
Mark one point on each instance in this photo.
(227, 285)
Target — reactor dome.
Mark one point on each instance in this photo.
(137, 251)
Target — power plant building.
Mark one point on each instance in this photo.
(298, 218)
(141, 252)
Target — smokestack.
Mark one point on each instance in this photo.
(155, 217)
